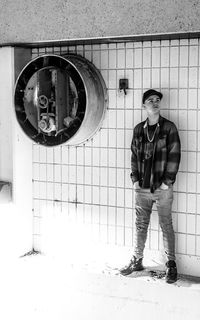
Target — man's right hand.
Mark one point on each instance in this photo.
(136, 185)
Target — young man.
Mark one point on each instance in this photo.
(154, 163)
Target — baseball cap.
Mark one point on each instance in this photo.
(149, 93)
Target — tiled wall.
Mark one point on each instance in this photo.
(89, 185)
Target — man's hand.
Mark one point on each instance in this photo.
(136, 185)
(164, 186)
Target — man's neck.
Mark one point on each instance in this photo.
(153, 119)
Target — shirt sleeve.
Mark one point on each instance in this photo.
(134, 160)
(173, 156)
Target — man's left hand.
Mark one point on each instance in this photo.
(164, 186)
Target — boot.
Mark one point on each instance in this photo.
(134, 265)
(171, 272)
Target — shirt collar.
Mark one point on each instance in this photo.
(158, 123)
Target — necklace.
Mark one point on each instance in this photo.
(151, 140)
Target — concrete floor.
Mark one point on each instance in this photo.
(48, 287)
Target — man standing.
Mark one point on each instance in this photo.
(154, 163)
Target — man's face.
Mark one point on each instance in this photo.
(152, 105)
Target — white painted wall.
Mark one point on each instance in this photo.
(15, 167)
(84, 196)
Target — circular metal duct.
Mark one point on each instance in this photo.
(60, 99)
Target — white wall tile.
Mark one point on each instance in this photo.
(57, 192)
(174, 78)
(112, 157)
(198, 183)
(72, 174)
(192, 142)
(49, 189)
(128, 237)
(173, 98)
(112, 196)
(174, 56)
(182, 202)
(120, 59)
(146, 78)
(43, 154)
(198, 161)
(96, 58)
(65, 155)
(95, 196)
(57, 173)
(88, 175)
(181, 243)
(65, 173)
(191, 244)
(36, 171)
(183, 100)
(104, 59)
(65, 192)
(164, 56)
(120, 197)
(183, 56)
(120, 217)
(146, 57)
(72, 193)
(156, 57)
(164, 77)
(192, 99)
(80, 194)
(182, 223)
(104, 138)
(183, 119)
(193, 56)
(191, 222)
(137, 78)
(112, 216)
(104, 157)
(120, 138)
(129, 58)
(36, 153)
(88, 156)
(192, 120)
(112, 84)
(137, 98)
(198, 245)
(182, 182)
(183, 77)
(120, 178)
(36, 189)
(191, 185)
(104, 196)
(104, 176)
(120, 158)
(155, 78)
(120, 119)
(193, 77)
(112, 177)
(138, 58)
(191, 203)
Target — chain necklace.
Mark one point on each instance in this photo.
(151, 140)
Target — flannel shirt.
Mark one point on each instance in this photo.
(166, 154)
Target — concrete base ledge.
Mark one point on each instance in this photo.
(42, 287)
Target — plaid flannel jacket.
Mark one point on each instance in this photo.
(166, 153)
